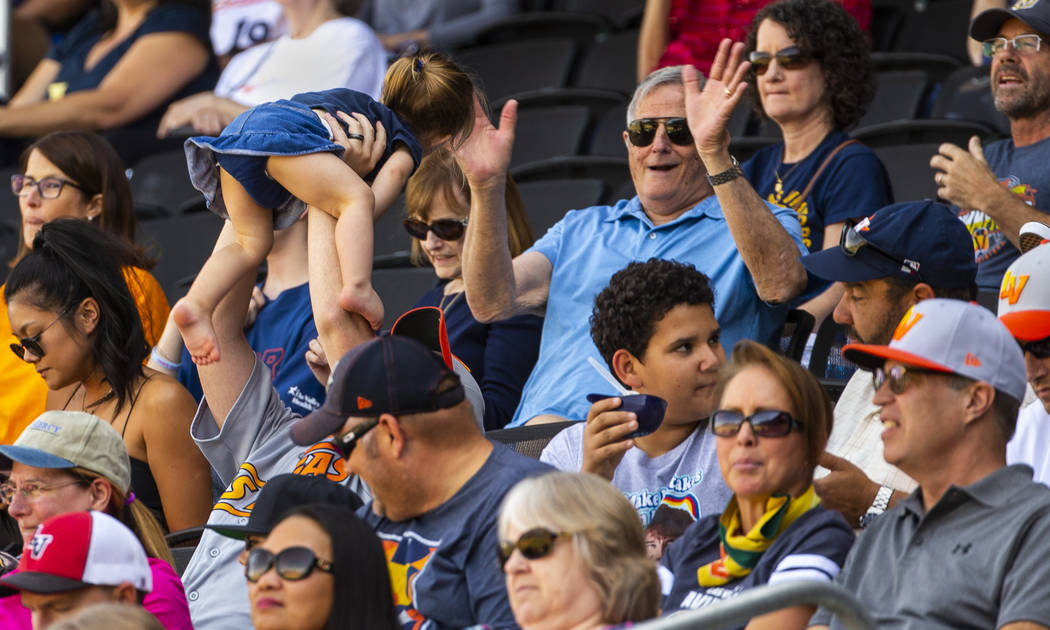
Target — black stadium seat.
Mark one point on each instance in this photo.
(925, 131)
(898, 96)
(580, 27)
(400, 289)
(614, 173)
(162, 182)
(966, 95)
(546, 132)
(181, 245)
(609, 64)
(908, 166)
(547, 201)
(538, 64)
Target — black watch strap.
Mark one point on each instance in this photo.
(727, 175)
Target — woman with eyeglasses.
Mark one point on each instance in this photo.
(73, 461)
(573, 553)
(771, 427)
(76, 324)
(500, 355)
(811, 74)
(78, 175)
(320, 568)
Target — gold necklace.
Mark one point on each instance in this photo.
(778, 187)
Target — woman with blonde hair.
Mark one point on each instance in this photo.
(573, 552)
(500, 355)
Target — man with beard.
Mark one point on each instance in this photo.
(897, 257)
(999, 189)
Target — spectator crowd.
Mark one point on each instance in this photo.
(618, 419)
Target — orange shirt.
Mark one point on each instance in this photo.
(22, 391)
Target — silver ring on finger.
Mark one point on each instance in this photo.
(355, 136)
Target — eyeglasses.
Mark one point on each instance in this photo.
(1039, 349)
(642, 131)
(790, 58)
(768, 423)
(293, 563)
(1023, 44)
(533, 544)
(47, 188)
(32, 344)
(445, 229)
(348, 440)
(898, 377)
(852, 242)
(29, 491)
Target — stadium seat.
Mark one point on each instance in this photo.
(935, 26)
(619, 12)
(546, 132)
(923, 132)
(614, 173)
(160, 185)
(966, 95)
(182, 544)
(744, 147)
(937, 67)
(607, 134)
(513, 67)
(392, 244)
(400, 289)
(529, 440)
(547, 201)
(579, 27)
(609, 64)
(181, 245)
(908, 166)
(898, 96)
(793, 336)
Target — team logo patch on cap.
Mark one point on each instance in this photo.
(1024, 4)
(46, 427)
(906, 324)
(363, 403)
(1012, 287)
(38, 544)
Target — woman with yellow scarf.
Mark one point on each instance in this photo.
(772, 425)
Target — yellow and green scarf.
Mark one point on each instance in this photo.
(739, 552)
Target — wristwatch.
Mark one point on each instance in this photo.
(727, 175)
(878, 506)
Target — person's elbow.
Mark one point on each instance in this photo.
(786, 284)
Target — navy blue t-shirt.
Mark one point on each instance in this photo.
(444, 565)
(814, 547)
(280, 337)
(853, 185)
(350, 101)
(500, 355)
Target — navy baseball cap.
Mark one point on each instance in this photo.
(1034, 13)
(389, 374)
(280, 495)
(914, 239)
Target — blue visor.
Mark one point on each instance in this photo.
(31, 457)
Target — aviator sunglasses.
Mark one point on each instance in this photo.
(293, 563)
(533, 544)
(445, 229)
(32, 344)
(790, 58)
(642, 131)
(768, 423)
(852, 241)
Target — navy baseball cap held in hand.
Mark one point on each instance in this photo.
(389, 374)
(920, 240)
(1034, 13)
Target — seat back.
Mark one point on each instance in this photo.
(401, 288)
(545, 132)
(181, 244)
(609, 64)
(547, 64)
(547, 200)
(793, 336)
(162, 181)
(529, 440)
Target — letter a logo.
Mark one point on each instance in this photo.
(907, 323)
(1012, 287)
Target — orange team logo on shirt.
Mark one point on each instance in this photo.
(1012, 287)
(907, 323)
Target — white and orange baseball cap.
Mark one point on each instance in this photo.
(1024, 296)
(955, 337)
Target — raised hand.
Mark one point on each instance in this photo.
(485, 155)
(708, 110)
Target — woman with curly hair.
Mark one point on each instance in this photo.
(811, 74)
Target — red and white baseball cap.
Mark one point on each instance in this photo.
(72, 551)
(1024, 296)
(951, 336)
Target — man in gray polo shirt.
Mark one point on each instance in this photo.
(967, 549)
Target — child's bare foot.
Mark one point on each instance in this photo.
(197, 333)
(364, 301)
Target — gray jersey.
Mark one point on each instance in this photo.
(253, 445)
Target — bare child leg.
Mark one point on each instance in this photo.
(253, 226)
(323, 181)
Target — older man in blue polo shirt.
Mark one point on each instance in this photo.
(693, 205)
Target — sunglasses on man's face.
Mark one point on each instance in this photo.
(790, 58)
(899, 377)
(445, 229)
(32, 344)
(642, 131)
(293, 563)
(347, 441)
(767, 424)
(1039, 349)
(533, 544)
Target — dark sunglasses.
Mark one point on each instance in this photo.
(445, 229)
(347, 441)
(852, 242)
(47, 188)
(1039, 349)
(32, 344)
(790, 58)
(769, 423)
(898, 377)
(293, 563)
(642, 131)
(533, 544)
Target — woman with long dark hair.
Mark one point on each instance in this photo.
(76, 323)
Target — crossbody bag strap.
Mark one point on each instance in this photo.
(823, 165)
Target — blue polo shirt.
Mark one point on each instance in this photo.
(588, 246)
